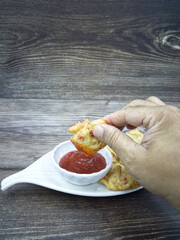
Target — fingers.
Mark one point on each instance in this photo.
(139, 102)
(151, 101)
(136, 116)
(155, 100)
(137, 113)
(128, 150)
(114, 118)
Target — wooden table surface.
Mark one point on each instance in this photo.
(65, 61)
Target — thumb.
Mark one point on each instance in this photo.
(128, 150)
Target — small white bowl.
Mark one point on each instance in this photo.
(76, 178)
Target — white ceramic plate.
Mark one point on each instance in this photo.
(43, 173)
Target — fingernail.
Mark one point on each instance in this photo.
(98, 131)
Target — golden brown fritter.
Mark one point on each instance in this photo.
(83, 139)
(118, 179)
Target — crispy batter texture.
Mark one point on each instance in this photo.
(136, 135)
(118, 179)
(83, 139)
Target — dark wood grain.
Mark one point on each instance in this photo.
(109, 50)
(57, 216)
(65, 61)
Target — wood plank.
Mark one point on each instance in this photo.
(58, 215)
(106, 50)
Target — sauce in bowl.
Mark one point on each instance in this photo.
(76, 161)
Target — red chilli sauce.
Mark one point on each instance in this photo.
(77, 162)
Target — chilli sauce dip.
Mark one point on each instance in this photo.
(76, 161)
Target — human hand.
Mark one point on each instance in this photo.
(156, 162)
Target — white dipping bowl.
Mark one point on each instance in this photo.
(77, 178)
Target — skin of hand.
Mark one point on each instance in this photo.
(155, 163)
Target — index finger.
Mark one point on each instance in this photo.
(135, 116)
